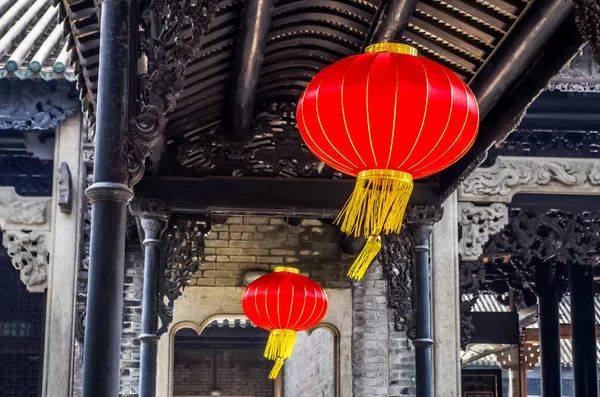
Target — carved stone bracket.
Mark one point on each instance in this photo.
(184, 250)
(179, 28)
(30, 256)
(534, 175)
(478, 223)
(25, 234)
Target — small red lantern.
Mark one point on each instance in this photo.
(284, 302)
(386, 117)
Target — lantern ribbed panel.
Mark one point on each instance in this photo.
(283, 300)
(388, 111)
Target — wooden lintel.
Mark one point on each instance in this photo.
(320, 198)
(533, 334)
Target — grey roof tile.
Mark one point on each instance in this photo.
(32, 43)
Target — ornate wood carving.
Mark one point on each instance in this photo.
(536, 238)
(274, 149)
(587, 18)
(179, 28)
(424, 214)
(576, 144)
(471, 282)
(25, 231)
(28, 105)
(477, 224)
(184, 250)
(512, 175)
(397, 258)
(82, 268)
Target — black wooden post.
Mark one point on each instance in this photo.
(153, 226)
(548, 298)
(583, 323)
(423, 342)
(108, 195)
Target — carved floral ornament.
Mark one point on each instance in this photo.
(477, 225)
(534, 175)
(25, 235)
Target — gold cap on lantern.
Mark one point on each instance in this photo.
(395, 48)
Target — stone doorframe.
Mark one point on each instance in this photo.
(193, 311)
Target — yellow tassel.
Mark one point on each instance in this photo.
(377, 203)
(366, 256)
(276, 368)
(280, 344)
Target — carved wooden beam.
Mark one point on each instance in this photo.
(303, 197)
(390, 21)
(256, 18)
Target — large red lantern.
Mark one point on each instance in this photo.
(284, 302)
(386, 117)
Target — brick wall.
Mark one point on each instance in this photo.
(240, 372)
(265, 243)
(132, 319)
(382, 363)
(310, 371)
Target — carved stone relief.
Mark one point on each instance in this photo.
(535, 175)
(582, 74)
(27, 105)
(477, 224)
(65, 185)
(25, 230)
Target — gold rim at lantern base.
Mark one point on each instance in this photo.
(394, 48)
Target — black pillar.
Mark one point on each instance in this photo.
(108, 195)
(583, 323)
(153, 226)
(548, 298)
(423, 342)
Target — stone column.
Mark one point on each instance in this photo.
(64, 249)
(446, 303)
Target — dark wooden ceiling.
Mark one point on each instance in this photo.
(307, 35)
(238, 102)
